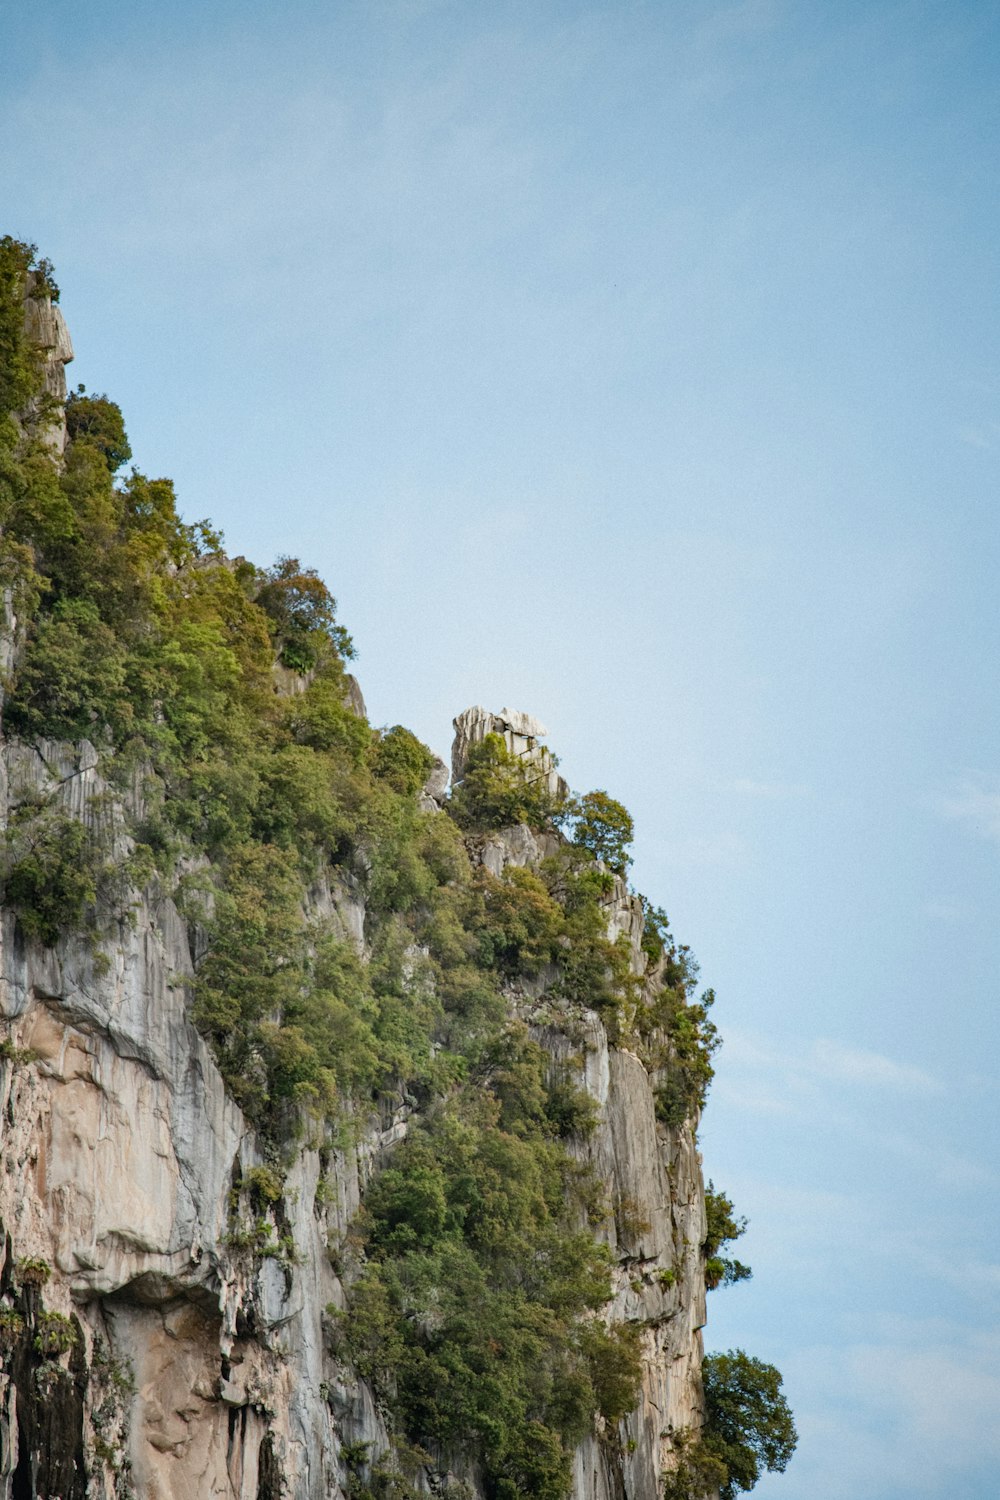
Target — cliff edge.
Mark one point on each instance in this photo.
(347, 1118)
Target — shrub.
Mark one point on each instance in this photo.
(54, 1333)
(20, 376)
(698, 1473)
(52, 870)
(571, 1109)
(72, 681)
(499, 789)
(520, 922)
(11, 1327)
(690, 1038)
(722, 1227)
(32, 1271)
(264, 1186)
(400, 759)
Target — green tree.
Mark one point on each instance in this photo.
(303, 615)
(748, 1423)
(95, 419)
(605, 827)
(400, 759)
(73, 680)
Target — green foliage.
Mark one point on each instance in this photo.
(54, 1333)
(96, 420)
(657, 938)
(570, 1109)
(400, 759)
(520, 923)
(73, 683)
(748, 1423)
(52, 869)
(698, 1473)
(32, 1270)
(593, 971)
(475, 1315)
(499, 789)
(604, 827)
(264, 1185)
(11, 1327)
(684, 1053)
(302, 612)
(19, 367)
(722, 1227)
(19, 1056)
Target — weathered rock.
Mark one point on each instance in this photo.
(435, 787)
(522, 735)
(354, 697)
(45, 326)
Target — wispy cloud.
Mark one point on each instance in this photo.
(828, 1061)
(721, 851)
(854, 1065)
(982, 435)
(910, 1411)
(972, 801)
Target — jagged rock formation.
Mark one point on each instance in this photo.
(150, 1348)
(520, 732)
(46, 327)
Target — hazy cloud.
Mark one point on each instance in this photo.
(854, 1065)
(984, 435)
(719, 851)
(973, 801)
(910, 1411)
(826, 1060)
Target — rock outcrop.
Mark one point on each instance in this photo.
(521, 733)
(46, 327)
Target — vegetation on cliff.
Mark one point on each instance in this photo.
(216, 695)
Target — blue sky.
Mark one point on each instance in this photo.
(635, 365)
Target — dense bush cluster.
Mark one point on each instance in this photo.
(476, 1313)
(477, 1280)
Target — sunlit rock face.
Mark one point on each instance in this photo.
(196, 1365)
(46, 328)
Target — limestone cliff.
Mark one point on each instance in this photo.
(166, 1324)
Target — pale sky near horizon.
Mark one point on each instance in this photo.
(635, 365)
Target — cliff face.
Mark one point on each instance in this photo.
(166, 1327)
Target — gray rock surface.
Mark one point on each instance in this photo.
(522, 735)
(46, 327)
